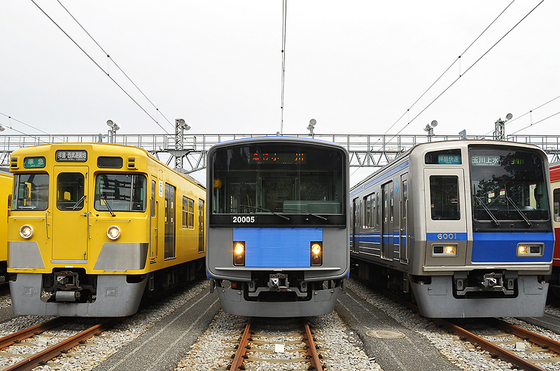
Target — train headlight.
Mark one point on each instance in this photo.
(530, 249)
(26, 231)
(113, 232)
(444, 250)
(316, 253)
(239, 253)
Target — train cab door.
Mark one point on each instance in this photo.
(445, 205)
(154, 219)
(70, 216)
(387, 222)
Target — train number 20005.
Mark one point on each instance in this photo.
(243, 219)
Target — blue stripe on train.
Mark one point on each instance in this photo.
(502, 247)
(277, 247)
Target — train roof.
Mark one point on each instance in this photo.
(113, 146)
(277, 138)
(442, 145)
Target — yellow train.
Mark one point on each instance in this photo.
(93, 227)
(6, 182)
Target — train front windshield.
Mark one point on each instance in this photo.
(278, 179)
(508, 187)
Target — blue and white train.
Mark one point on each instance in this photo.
(277, 239)
(464, 225)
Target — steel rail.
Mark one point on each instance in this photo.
(552, 345)
(312, 349)
(241, 349)
(489, 346)
(55, 350)
(26, 333)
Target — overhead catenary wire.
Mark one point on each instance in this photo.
(101, 68)
(407, 112)
(530, 112)
(115, 63)
(283, 74)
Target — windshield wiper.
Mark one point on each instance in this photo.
(308, 213)
(265, 210)
(519, 211)
(487, 210)
(79, 202)
(107, 205)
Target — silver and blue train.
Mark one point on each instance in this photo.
(465, 226)
(277, 217)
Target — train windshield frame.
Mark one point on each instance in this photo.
(117, 192)
(278, 183)
(508, 188)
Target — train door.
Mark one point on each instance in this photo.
(387, 221)
(154, 220)
(70, 217)
(445, 205)
(355, 221)
(169, 244)
(404, 240)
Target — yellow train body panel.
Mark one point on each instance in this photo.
(93, 210)
(6, 183)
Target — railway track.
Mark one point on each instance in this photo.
(40, 357)
(261, 348)
(518, 346)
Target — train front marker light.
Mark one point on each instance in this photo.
(113, 232)
(238, 253)
(26, 231)
(530, 249)
(316, 253)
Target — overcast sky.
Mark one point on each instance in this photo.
(354, 66)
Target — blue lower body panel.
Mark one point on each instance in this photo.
(277, 247)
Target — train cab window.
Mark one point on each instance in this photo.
(32, 191)
(444, 197)
(70, 191)
(120, 192)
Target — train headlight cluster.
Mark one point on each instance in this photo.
(530, 249)
(26, 231)
(113, 232)
(239, 253)
(316, 253)
(444, 250)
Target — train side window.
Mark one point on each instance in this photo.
(201, 241)
(444, 197)
(70, 191)
(188, 212)
(557, 205)
(153, 200)
(405, 198)
(369, 210)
